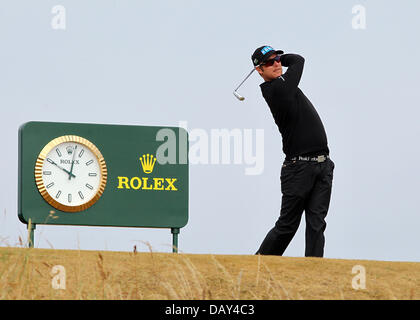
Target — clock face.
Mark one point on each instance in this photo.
(70, 173)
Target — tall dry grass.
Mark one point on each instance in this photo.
(26, 274)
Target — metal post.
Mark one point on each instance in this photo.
(175, 232)
(31, 233)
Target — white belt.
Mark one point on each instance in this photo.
(321, 158)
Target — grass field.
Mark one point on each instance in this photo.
(28, 274)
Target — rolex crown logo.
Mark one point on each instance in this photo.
(147, 162)
(69, 150)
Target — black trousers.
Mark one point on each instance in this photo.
(306, 186)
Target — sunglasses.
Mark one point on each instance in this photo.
(270, 62)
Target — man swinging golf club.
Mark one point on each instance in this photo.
(307, 171)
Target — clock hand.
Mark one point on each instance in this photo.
(66, 171)
(72, 163)
(52, 162)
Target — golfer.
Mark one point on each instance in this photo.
(307, 171)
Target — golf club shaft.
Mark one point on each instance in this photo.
(245, 78)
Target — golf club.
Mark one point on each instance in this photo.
(236, 94)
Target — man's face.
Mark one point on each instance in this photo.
(269, 72)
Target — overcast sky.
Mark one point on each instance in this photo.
(166, 62)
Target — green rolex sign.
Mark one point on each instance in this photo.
(103, 175)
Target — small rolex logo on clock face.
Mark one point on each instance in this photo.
(70, 173)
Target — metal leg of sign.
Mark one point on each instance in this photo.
(31, 233)
(175, 232)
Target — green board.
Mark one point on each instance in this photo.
(161, 202)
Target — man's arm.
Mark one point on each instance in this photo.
(289, 81)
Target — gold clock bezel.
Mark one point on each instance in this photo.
(40, 163)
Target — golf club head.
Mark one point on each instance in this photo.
(237, 95)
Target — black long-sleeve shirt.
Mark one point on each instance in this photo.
(299, 124)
